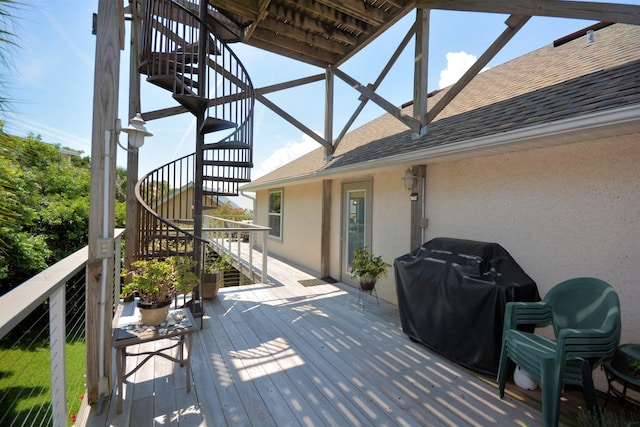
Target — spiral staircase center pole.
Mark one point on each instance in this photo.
(198, 196)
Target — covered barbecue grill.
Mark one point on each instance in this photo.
(452, 295)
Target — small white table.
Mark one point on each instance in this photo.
(129, 331)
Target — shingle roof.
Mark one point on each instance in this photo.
(546, 85)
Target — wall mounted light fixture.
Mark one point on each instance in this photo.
(410, 180)
(135, 130)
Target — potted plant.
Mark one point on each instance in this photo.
(156, 282)
(368, 268)
(213, 273)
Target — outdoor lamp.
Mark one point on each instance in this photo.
(409, 182)
(136, 131)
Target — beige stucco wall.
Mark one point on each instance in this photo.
(391, 225)
(562, 212)
(301, 224)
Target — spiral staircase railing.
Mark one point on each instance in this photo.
(181, 54)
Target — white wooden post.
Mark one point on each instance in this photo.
(57, 340)
(116, 273)
(265, 238)
(109, 41)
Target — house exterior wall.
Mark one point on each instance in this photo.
(562, 212)
(178, 207)
(391, 225)
(301, 224)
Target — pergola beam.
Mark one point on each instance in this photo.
(597, 11)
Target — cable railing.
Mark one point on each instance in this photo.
(42, 344)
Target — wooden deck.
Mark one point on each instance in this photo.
(285, 354)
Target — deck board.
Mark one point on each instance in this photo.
(284, 354)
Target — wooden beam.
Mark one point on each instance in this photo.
(328, 115)
(321, 19)
(262, 14)
(246, 8)
(325, 234)
(597, 11)
(282, 45)
(363, 100)
(288, 117)
(515, 23)
(358, 9)
(418, 207)
(421, 72)
(290, 84)
(102, 200)
(409, 121)
(391, 21)
(307, 37)
(132, 207)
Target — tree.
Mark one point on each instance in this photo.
(228, 211)
(44, 213)
(21, 251)
(7, 42)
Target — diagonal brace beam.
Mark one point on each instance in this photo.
(514, 23)
(363, 101)
(396, 112)
(288, 117)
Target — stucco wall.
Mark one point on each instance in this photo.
(562, 212)
(301, 224)
(391, 225)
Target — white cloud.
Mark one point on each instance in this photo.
(21, 126)
(283, 155)
(457, 64)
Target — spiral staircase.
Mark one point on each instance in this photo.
(182, 54)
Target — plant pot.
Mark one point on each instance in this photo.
(210, 285)
(367, 285)
(153, 314)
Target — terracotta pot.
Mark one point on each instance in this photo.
(153, 314)
(367, 285)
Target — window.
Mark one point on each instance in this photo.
(275, 213)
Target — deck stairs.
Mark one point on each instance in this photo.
(182, 54)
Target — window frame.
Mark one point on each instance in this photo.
(278, 215)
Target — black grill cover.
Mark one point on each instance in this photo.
(452, 295)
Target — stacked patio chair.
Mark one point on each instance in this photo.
(585, 314)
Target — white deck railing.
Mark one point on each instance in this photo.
(228, 236)
(49, 285)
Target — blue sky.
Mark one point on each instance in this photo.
(52, 82)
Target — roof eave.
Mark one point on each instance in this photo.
(603, 124)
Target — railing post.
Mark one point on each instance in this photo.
(239, 259)
(265, 238)
(57, 339)
(117, 269)
(251, 272)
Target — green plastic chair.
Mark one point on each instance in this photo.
(585, 314)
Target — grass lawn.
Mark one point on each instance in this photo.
(25, 395)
